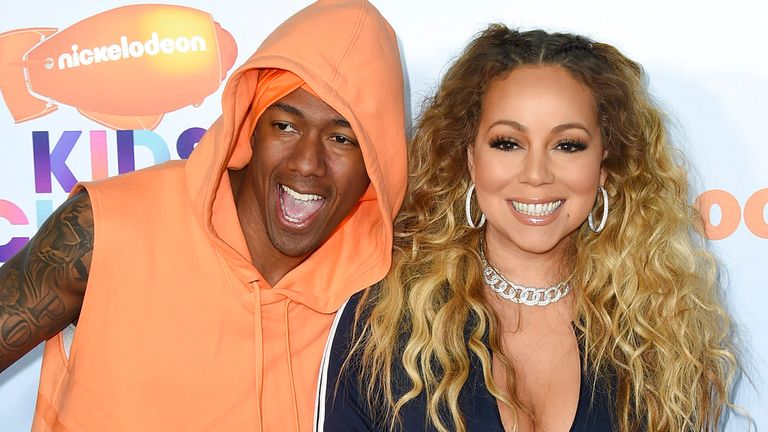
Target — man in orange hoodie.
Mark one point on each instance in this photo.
(197, 295)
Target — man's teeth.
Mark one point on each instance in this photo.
(298, 207)
(541, 209)
(300, 196)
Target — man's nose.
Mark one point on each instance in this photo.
(308, 155)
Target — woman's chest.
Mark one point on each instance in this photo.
(545, 375)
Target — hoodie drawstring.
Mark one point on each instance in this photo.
(258, 348)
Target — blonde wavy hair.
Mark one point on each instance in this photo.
(649, 310)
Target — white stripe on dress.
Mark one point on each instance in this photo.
(323, 377)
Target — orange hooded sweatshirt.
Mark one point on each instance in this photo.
(178, 329)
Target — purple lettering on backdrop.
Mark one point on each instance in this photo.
(9, 249)
(15, 216)
(125, 159)
(54, 162)
(187, 141)
(49, 163)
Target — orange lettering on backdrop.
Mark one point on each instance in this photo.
(753, 213)
(729, 209)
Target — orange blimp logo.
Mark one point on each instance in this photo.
(124, 68)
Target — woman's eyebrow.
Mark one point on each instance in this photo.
(566, 126)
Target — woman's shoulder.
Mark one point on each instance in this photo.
(343, 330)
(340, 404)
(339, 343)
(346, 314)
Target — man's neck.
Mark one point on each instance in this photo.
(272, 264)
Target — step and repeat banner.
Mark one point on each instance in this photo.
(71, 111)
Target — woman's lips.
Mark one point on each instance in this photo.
(536, 213)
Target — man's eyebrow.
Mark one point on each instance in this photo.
(287, 108)
(341, 121)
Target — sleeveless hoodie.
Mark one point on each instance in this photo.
(178, 330)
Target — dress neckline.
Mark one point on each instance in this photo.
(582, 383)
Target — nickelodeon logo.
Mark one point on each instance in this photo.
(126, 50)
(124, 68)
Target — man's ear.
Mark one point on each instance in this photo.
(471, 161)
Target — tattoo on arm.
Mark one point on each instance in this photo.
(42, 287)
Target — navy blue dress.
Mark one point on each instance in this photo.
(341, 407)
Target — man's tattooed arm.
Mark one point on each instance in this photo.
(42, 286)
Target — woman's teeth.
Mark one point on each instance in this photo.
(540, 209)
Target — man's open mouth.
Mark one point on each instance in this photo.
(298, 207)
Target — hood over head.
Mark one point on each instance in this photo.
(346, 54)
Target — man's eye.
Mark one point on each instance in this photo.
(284, 127)
(341, 139)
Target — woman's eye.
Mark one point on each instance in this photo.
(284, 127)
(571, 146)
(504, 144)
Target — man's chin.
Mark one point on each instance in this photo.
(294, 248)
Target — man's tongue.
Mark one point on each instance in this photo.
(297, 210)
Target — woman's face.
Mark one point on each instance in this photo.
(536, 160)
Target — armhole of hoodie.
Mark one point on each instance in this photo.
(67, 337)
(67, 334)
(322, 381)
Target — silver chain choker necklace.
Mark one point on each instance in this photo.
(517, 293)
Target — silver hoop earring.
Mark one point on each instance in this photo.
(468, 209)
(605, 213)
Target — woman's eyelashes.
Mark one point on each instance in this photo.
(503, 143)
(571, 146)
(566, 145)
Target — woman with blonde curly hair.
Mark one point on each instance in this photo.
(549, 272)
